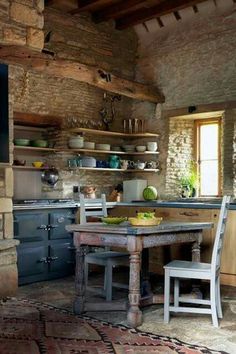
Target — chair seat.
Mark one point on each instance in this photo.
(102, 258)
(190, 266)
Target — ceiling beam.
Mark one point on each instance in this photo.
(89, 5)
(68, 69)
(117, 10)
(161, 9)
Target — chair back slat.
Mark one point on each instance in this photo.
(220, 232)
(92, 207)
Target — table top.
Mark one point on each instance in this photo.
(126, 229)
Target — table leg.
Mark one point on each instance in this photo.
(79, 280)
(134, 316)
(196, 257)
(145, 279)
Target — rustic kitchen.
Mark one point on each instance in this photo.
(133, 102)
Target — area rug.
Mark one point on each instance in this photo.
(29, 327)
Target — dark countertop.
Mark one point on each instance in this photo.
(153, 204)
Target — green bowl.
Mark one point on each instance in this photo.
(39, 143)
(21, 142)
(113, 220)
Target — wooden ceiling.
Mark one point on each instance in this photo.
(125, 13)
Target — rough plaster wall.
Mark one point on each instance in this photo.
(192, 63)
(181, 136)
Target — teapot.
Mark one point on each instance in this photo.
(114, 161)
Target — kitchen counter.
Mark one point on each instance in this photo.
(153, 204)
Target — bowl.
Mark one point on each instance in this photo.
(145, 222)
(104, 147)
(141, 148)
(21, 142)
(39, 143)
(89, 145)
(19, 162)
(37, 164)
(76, 142)
(129, 148)
(113, 220)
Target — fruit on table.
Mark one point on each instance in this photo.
(150, 193)
(146, 215)
(113, 220)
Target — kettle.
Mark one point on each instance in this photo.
(50, 176)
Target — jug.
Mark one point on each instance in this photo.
(114, 161)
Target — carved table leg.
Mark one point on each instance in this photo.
(134, 316)
(79, 280)
(196, 257)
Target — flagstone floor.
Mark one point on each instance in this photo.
(190, 328)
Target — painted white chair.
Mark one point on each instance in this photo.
(107, 259)
(204, 271)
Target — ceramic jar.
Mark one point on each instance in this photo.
(152, 146)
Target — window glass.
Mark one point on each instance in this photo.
(208, 158)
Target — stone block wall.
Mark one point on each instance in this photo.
(8, 267)
(192, 62)
(180, 153)
(78, 39)
(22, 23)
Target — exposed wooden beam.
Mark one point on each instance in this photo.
(90, 5)
(161, 9)
(92, 75)
(117, 10)
(36, 119)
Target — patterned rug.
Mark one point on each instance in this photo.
(28, 327)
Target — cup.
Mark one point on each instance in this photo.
(152, 146)
(72, 163)
(140, 165)
(131, 164)
(124, 164)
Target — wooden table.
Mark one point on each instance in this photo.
(134, 240)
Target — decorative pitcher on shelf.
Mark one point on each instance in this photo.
(114, 161)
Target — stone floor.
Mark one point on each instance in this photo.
(195, 329)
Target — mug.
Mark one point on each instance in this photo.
(152, 164)
(131, 164)
(72, 163)
(152, 146)
(124, 164)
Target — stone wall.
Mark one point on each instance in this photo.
(79, 39)
(180, 153)
(24, 22)
(192, 62)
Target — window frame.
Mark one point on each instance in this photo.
(197, 124)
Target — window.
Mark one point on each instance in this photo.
(208, 156)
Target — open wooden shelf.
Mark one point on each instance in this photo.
(110, 152)
(115, 134)
(58, 150)
(32, 148)
(15, 167)
(117, 169)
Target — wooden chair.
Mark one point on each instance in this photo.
(107, 259)
(194, 270)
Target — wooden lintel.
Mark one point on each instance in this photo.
(33, 119)
(92, 75)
